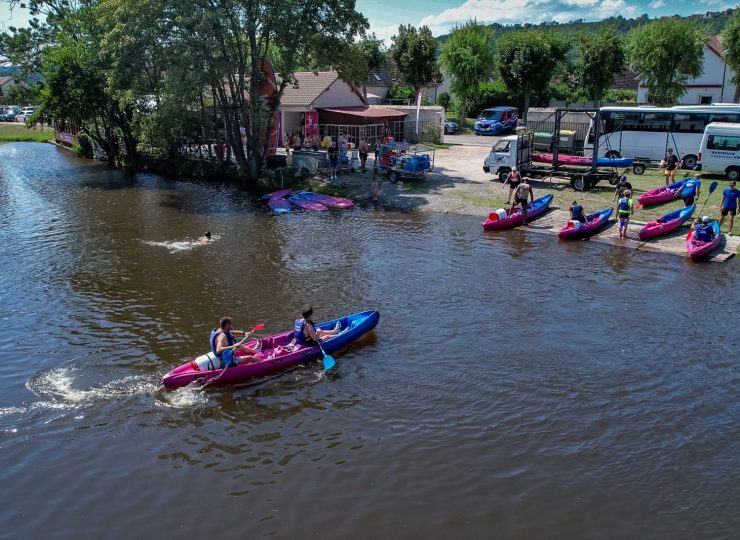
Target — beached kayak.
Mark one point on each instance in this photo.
(582, 161)
(662, 194)
(698, 249)
(326, 200)
(278, 352)
(305, 204)
(534, 210)
(594, 222)
(279, 205)
(281, 194)
(669, 222)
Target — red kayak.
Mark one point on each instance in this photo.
(534, 210)
(667, 223)
(594, 222)
(661, 194)
(698, 249)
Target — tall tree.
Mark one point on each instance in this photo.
(599, 57)
(414, 54)
(731, 44)
(527, 60)
(468, 56)
(666, 53)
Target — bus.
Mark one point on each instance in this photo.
(646, 132)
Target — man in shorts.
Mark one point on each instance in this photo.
(729, 205)
(691, 190)
(514, 179)
(520, 198)
(333, 155)
(671, 163)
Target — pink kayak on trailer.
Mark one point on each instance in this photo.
(594, 222)
(662, 194)
(305, 204)
(327, 200)
(281, 194)
(495, 222)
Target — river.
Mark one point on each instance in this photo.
(515, 387)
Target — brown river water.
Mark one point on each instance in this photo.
(515, 387)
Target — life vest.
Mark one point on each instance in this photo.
(522, 191)
(298, 334)
(624, 205)
(577, 211)
(214, 334)
(703, 233)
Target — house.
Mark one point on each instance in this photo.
(714, 85)
(381, 80)
(5, 84)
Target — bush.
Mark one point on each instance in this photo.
(444, 100)
(83, 146)
(621, 96)
(489, 94)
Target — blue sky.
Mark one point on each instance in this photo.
(441, 15)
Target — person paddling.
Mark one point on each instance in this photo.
(703, 231)
(306, 333)
(625, 207)
(224, 346)
(577, 213)
(730, 197)
(691, 190)
(520, 197)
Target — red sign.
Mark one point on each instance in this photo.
(312, 122)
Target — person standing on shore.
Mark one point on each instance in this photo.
(514, 179)
(333, 155)
(625, 207)
(671, 163)
(364, 149)
(622, 186)
(729, 205)
(523, 191)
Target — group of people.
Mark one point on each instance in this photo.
(297, 141)
(225, 347)
(522, 191)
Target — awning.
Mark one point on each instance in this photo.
(365, 112)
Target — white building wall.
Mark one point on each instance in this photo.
(339, 94)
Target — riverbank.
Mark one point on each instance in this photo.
(18, 132)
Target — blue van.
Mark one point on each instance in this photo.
(496, 120)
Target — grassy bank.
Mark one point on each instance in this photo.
(17, 131)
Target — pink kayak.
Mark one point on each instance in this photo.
(594, 222)
(305, 204)
(534, 210)
(327, 200)
(279, 205)
(669, 222)
(582, 161)
(661, 194)
(281, 194)
(698, 249)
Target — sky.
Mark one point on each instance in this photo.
(442, 15)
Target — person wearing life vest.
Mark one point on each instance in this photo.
(703, 231)
(514, 179)
(625, 207)
(520, 198)
(306, 333)
(577, 213)
(224, 346)
(691, 190)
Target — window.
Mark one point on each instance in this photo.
(689, 122)
(724, 117)
(651, 121)
(705, 100)
(376, 76)
(502, 146)
(723, 142)
(620, 121)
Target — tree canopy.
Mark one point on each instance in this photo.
(731, 44)
(414, 54)
(599, 57)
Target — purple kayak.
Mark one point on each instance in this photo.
(594, 222)
(305, 204)
(279, 205)
(327, 200)
(667, 223)
(281, 194)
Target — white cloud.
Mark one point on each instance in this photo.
(385, 33)
(656, 4)
(527, 11)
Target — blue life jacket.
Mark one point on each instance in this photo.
(704, 233)
(214, 334)
(577, 211)
(624, 205)
(298, 334)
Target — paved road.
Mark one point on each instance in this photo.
(472, 140)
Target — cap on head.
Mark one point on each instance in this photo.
(623, 178)
(670, 150)
(705, 219)
(732, 182)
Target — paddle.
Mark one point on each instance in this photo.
(328, 360)
(712, 187)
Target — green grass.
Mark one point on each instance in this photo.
(19, 132)
(476, 200)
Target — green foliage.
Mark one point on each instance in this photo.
(444, 100)
(621, 96)
(600, 56)
(399, 91)
(468, 56)
(666, 53)
(527, 61)
(24, 94)
(489, 94)
(731, 44)
(414, 53)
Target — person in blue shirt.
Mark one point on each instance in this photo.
(691, 190)
(703, 231)
(729, 204)
(577, 213)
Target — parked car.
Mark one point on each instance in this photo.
(9, 115)
(496, 120)
(450, 127)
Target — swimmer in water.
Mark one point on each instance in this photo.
(206, 238)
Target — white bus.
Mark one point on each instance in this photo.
(720, 150)
(647, 132)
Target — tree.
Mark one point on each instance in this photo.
(599, 57)
(666, 53)
(731, 44)
(527, 60)
(468, 56)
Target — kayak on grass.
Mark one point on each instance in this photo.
(669, 222)
(305, 204)
(279, 205)
(278, 352)
(662, 194)
(495, 222)
(326, 200)
(280, 194)
(594, 222)
(698, 249)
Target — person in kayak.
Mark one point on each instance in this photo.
(671, 163)
(577, 213)
(691, 190)
(224, 346)
(520, 198)
(730, 197)
(622, 186)
(625, 207)
(306, 333)
(514, 179)
(703, 231)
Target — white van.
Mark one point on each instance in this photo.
(720, 150)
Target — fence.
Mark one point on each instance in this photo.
(543, 120)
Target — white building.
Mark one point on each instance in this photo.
(714, 85)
